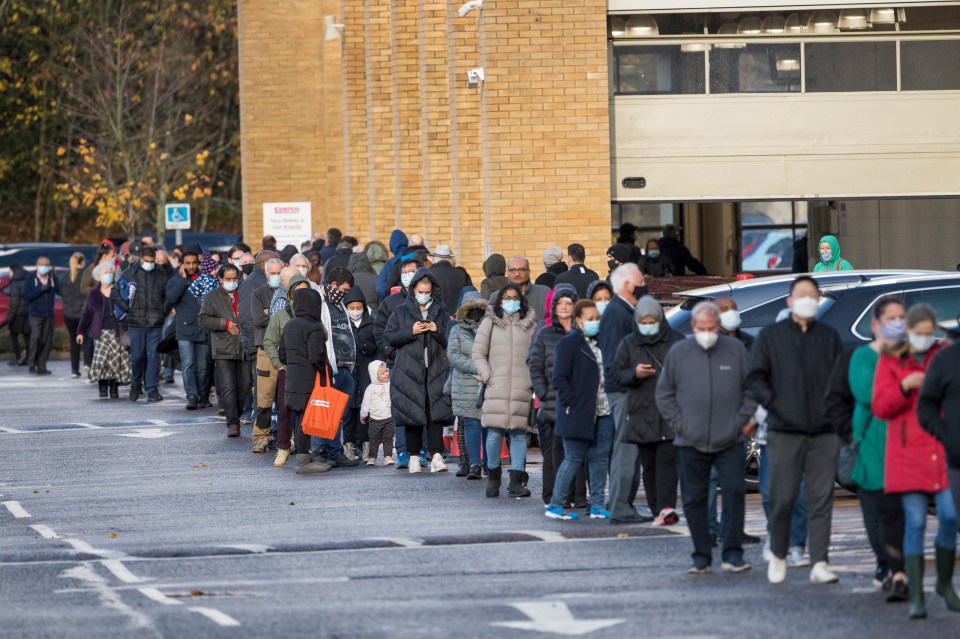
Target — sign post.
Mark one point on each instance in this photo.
(289, 222)
(177, 219)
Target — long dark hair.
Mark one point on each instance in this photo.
(498, 305)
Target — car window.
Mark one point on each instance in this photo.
(862, 327)
(765, 314)
(944, 301)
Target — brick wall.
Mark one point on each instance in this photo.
(379, 128)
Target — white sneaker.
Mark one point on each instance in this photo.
(822, 573)
(796, 558)
(437, 464)
(414, 466)
(777, 570)
(767, 553)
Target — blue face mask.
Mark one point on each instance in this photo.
(653, 253)
(894, 331)
(648, 330)
(424, 299)
(601, 307)
(274, 281)
(511, 306)
(591, 328)
(230, 287)
(826, 256)
(43, 270)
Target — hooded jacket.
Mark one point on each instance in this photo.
(398, 243)
(465, 383)
(420, 366)
(500, 353)
(366, 345)
(387, 307)
(274, 334)
(364, 279)
(644, 424)
(376, 397)
(836, 263)
(594, 285)
(701, 394)
(377, 256)
(495, 270)
(303, 349)
(938, 406)
(542, 356)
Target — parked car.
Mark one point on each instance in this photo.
(761, 299)
(775, 251)
(59, 254)
(5, 294)
(207, 241)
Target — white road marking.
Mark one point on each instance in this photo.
(45, 532)
(147, 433)
(16, 509)
(4, 429)
(121, 572)
(108, 598)
(81, 546)
(157, 422)
(554, 617)
(254, 548)
(217, 617)
(159, 597)
(88, 426)
(406, 542)
(544, 535)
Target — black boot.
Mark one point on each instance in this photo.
(476, 472)
(946, 562)
(104, 388)
(463, 469)
(114, 390)
(914, 566)
(516, 488)
(493, 481)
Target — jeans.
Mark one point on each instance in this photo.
(194, 362)
(552, 450)
(798, 522)
(517, 446)
(695, 468)
(233, 379)
(331, 448)
(915, 517)
(473, 434)
(144, 359)
(597, 456)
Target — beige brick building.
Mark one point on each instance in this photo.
(378, 129)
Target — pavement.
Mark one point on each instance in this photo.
(122, 519)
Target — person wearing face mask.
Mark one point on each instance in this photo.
(654, 263)
(265, 381)
(73, 300)
(600, 293)
(219, 316)
(417, 333)
(465, 383)
(144, 307)
(250, 284)
(356, 436)
(541, 360)
(39, 292)
(730, 322)
(882, 512)
(583, 415)
(830, 259)
(518, 274)
(500, 353)
(365, 279)
(247, 264)
(98, 323)
(407, 269)
(790, 368)
(701, 394)
(192, 341)
(617, 255)
(577, 275)
(916, 463)
(647, 439)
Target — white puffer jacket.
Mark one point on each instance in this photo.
(376, 399)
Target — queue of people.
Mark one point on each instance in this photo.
(616, 397)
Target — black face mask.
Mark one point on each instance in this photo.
(641, 291)
(612, 264)
(247, 268)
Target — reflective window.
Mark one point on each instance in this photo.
(851, 66)
(768, 233)
(755, 68)
(930, 65)
(945, 303)
(660, 70)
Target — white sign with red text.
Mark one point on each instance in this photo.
(289, 222)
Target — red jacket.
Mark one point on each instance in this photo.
(915, 460)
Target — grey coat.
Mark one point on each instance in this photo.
(500, 353)
(463, 369)
(215, 312)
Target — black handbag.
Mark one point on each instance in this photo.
(168, 340)
(480, 393)
(847, 461)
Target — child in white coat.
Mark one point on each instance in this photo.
(376, 406)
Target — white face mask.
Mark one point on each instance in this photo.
(405, 279)
(601, 307)
(706, 340)
(356, 316)
(730, 320)
(304, 270)
(805, 307)
(920, 343)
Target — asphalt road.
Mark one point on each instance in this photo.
(144, 520)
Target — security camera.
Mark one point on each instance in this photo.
(470, 6)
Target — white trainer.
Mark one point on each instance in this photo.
(822, 573)
(437, 464)
(414, 466)
(767, 553)
(777, 570)
(796, 558)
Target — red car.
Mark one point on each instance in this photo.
(5, 294)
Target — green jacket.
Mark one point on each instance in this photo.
(835, 263)
(867, 429)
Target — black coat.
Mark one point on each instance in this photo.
(146, 310)
(17, 318)
(366, 345)
(248, 329)
(680, 257)
(384, 351)
(549, 277)
(188, 308)
(73, 298)
(644, 424)
(938, 405)
(615, 324)
(340, 258)
(303, 349)
(413, 383)
(260, 301)
(580, 277)
(541, 359)
(838, 403)
(576, 380)
(452, 280)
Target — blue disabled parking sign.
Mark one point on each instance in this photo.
(178, 216)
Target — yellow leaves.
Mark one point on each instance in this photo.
(179, 194)
(112, 535)
(164, 156)
(61, 152)
(197, 193)
(187, 119)
(153, 145)
(202, 157)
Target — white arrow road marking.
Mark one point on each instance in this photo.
(254, 548)
(216, 616)
(121, 572)
(147, 433)
(16, 509)
(45, 531)
(108, 598)
(81, 546)
(88, 426)
(555, 618)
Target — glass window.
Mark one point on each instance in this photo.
(930, 65)
(851, 66)
(755, 68)
(658, 70)
(945, 303)
(768, 233)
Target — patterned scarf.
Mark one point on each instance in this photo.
(207, 281)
